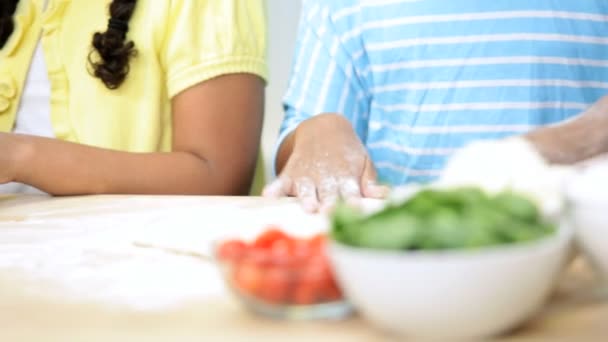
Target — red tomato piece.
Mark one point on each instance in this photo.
(310, 283)
(231, 250)
(248, 278)
(317, 242)
(318, 266)
(269, 237)
(258, 256)
(305, 293)
(282, 247)
(282, 251)
(301, 251)
(331, 291)
(275, 286)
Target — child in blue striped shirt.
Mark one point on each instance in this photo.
(386, 91)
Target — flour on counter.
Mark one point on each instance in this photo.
(96, 258)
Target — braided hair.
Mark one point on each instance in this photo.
(7, 25)
(113, 49)
(111, 52)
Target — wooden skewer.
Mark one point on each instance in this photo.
(175, 251)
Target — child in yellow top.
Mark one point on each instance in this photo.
(147, 96)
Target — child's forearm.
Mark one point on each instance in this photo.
(63, 168)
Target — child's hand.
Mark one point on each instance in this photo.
(327, 161)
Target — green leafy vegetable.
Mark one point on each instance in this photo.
(462, 218)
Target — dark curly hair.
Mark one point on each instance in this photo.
(7, 25)
(111, 52)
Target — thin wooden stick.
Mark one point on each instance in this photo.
(175, 251)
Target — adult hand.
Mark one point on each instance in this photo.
(322, 161)
(579, 139)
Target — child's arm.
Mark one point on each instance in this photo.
(216, 132)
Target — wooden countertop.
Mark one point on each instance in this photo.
(51, 246)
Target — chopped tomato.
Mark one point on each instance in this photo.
(269, 237)
(306, 293)
(275, 286)
(317, 242)
(282, 247)
(310, 283)
(281, 269)
(332, 292)
(259, 257)
(248, 278)
(231, 250)
(301, 252)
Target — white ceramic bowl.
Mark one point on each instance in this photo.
(454, 294)
(592, 235)
(588, 199)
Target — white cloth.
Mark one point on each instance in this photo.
(34, 113)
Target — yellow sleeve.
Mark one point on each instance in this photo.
(209, 38)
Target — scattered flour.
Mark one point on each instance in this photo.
(97, 259)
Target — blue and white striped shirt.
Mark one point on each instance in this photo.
(419, 79)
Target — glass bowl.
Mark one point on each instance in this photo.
(284, 282)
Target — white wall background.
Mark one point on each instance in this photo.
(283, 17)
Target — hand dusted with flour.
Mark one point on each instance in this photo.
(322, 160)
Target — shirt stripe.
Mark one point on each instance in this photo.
(487, 38)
